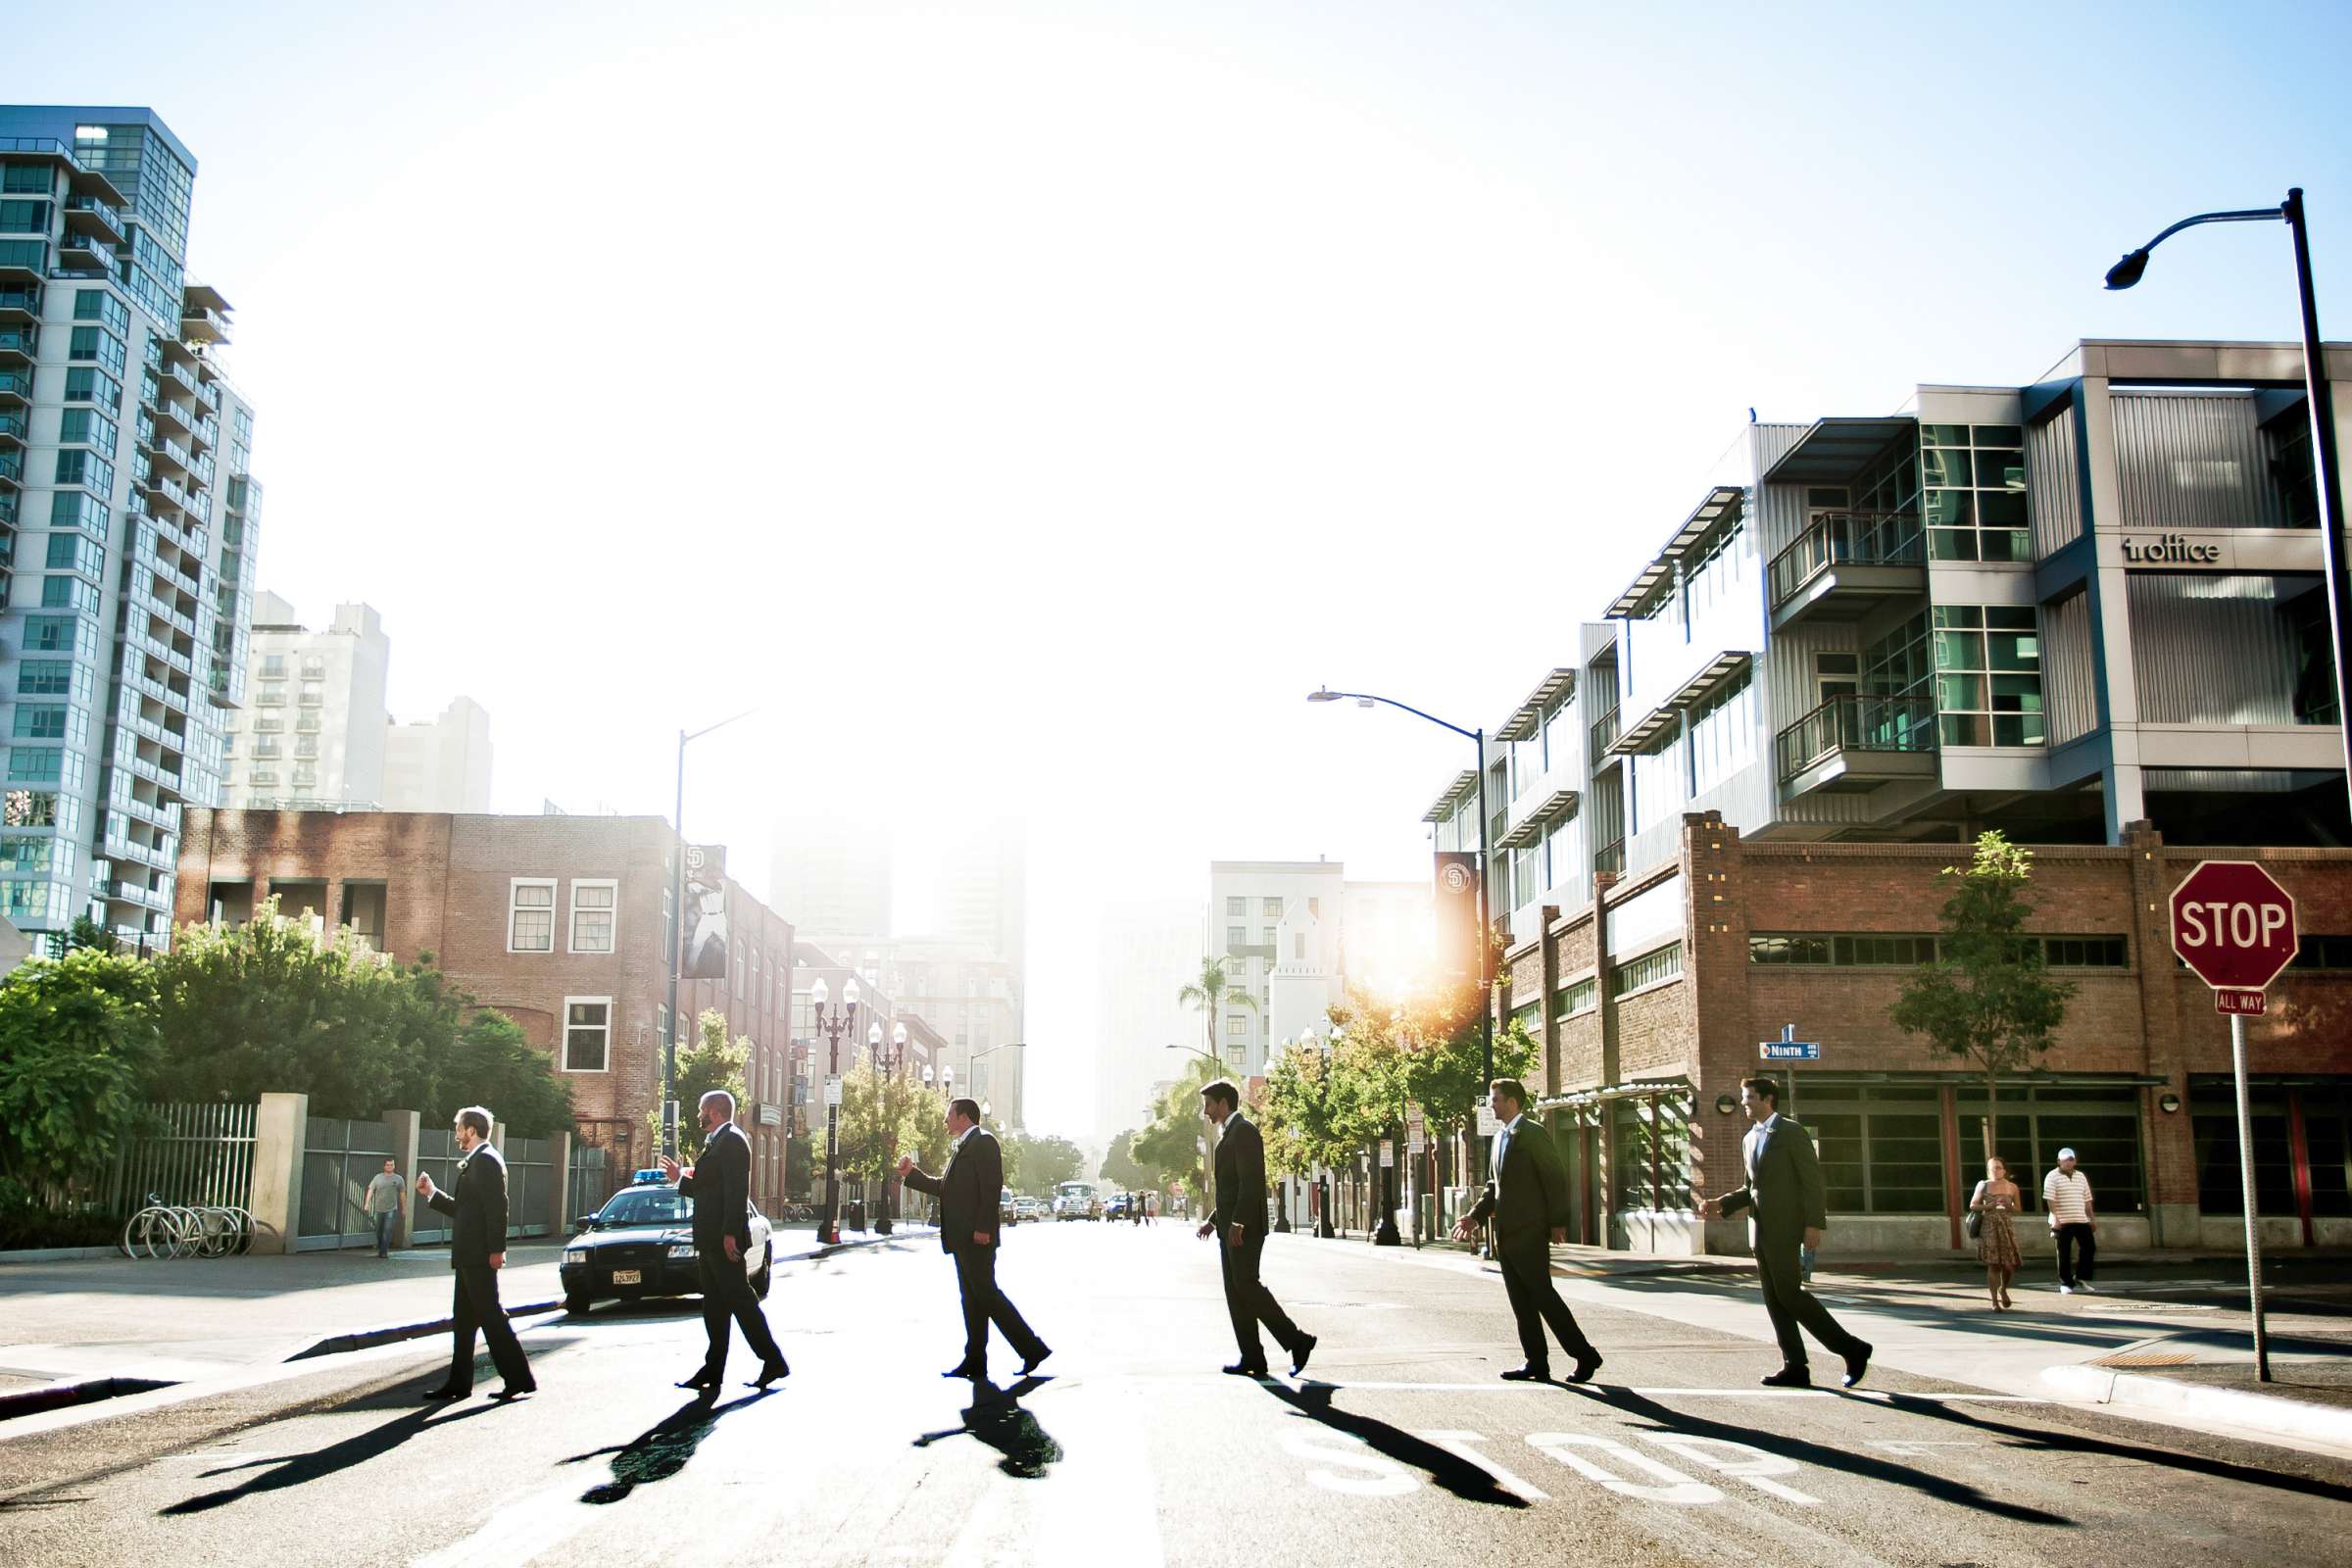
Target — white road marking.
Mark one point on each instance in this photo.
(1459, 1444)
(1383, 1477)
(1671, 1485)
(1741, 1460)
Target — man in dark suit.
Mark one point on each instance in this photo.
(1527, 1197)
(968, 1193)
(721, 1184)
(1240, 1221)
(477, 1252)
(1788, 1212)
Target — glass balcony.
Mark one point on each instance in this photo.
(82, 253)
(16, 387)
(12, 469)
(18, 345)
(19, 306)
(1857, 743)
(198, 325)
(100, 219)
(1605, 734)
(11, 430)
(1846, 564)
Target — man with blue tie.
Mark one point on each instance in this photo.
(1527, 1196)
(1788, 1212)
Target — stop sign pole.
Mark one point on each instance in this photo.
(2234, 926)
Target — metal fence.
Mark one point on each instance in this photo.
(437, 1157)
(200, 1156)
(591, 1179)
(530, 1185)
(339, 1159)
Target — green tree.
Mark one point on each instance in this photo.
(1305, 1111)
(710, 1061)
(1046, 1163)
(1119, 1163)
(492, 1062)
(881, 1117)
(1168, 1145)
(79, 1045)
(1205, 996)
(1987, 998)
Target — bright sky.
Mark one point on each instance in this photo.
(1029, 404)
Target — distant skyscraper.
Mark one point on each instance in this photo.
(128, 512)
(1147, 952)
(984, 897)
(315, 735)
(831, 879)
(439, 764)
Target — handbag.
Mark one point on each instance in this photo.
(1975, 1224)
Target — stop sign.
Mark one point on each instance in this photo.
(2234, 925)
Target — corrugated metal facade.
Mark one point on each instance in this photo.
(2069, 672)
(2193, 460)
(2054, 483)
(2214, 648)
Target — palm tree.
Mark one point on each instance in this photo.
(1204, 996)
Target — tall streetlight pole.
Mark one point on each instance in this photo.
(2321, 398)
(889, 1073)
(677, 941)
(829, 1232)
(1486, 938)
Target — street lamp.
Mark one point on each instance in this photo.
(889, 1070)
(677, 942)
(845, 1017)
(1486, 943)
(2318, 394)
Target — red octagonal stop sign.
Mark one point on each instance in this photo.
(2233, 924)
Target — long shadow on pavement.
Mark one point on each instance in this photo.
(663, 1449)
(294, 1470)
(2026, 1437)
(995, 1418)
(1941, 1488)
(1449, 1470)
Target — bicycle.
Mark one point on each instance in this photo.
(158, 1229)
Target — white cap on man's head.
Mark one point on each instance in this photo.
(2066, 1154)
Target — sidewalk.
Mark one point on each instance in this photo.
(2163, 1338)
(186, 1320)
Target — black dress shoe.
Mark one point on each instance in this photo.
(444, 1393)
(1246, 1369)
(1030, 1364)
(1586, 1365)
(963, 1372)
(705, 1379)
(514, 1391)
(1857, 1362)
(1528, 1374)
(1306, 1348)
(770, 1371)
(1789, 1376)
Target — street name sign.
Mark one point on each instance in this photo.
(2234, 926)
(1788, 1048)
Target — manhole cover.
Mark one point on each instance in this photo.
(2146, 1358)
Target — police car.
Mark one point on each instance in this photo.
(641, 1244)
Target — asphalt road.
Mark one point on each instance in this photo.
(1399, 1446)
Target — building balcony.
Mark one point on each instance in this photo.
(178, 371)
(1609, 859)
(13, 427)
(199, 325)
(16, 389)
(12, 469)
(206, 435)
(19, 306)
(1857, 743)
(18, 345)
(81, 253)
(1604, 735)
(167, 415)
(98, 220)
(19, 274)
(119, 890)
(1846, 564)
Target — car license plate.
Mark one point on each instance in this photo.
(627, 1276)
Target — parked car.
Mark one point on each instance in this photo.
(1029, 1208)
(641, 1244)
(1008, 1207)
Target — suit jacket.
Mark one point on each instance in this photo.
(969, 1192)
(1242, 1178)
(480, 1207)
(1531, 1199)
(720, 1185)
(1785, 1195)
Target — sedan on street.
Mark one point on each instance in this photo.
(641, 1244)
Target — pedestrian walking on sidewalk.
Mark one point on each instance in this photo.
(1995, 1204)
(1527, 1197)
(383, 1204)
(1240, 1226)
(477, 1252)
(1788, 1211)
(969, 1228)
(2066, 1193)
(721, 1184)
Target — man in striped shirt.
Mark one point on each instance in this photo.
(2066, 1195)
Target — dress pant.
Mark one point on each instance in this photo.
(1793, 1306)
(727, 1297)
(1536, 1301)
(2069, 1238)
(1251, 1303)
(473, 1304)
(983, 1305)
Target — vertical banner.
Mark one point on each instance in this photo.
(706, 922)
(1457, 913)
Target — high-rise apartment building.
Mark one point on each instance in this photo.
(984, 898)
(128, 518)
(971, 995)
(1148, 951)
(440, 764)
(1295, 935)
(832, 878)
(313, 734)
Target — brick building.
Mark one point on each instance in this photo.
(1653, 998)
(562, 923)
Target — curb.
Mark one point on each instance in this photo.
(60, 1254)
(363, 1339)
(87, 1390)
(2195, 1403)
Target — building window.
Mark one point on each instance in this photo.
(273, 666)
(1580, 996)
(1237, 1026)
(2100, 1123)
(313, 694)
(1236, 906)
(1235, 937)
(661, 1024)
(1973, 492)
(1989, 675)
(1659, 963)
(1723, 735)
(1882, 1147)
(1270, 908)
(531, 914)
(273, 694)
(1653, 1153)
(1884, 949)
(592, 911)
(587, 1033)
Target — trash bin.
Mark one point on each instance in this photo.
(853, 1215)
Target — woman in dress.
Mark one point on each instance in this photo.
(1995, 1200)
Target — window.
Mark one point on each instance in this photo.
(1651, 968)
(1880, 949)
(86, 383)
(35, 764)
(1989, 675)
(69, 593)
(314, 667)
(2100, 1123)
(1654, 1151)
(1579, 997)
(1881, 1147)
(24, 217)
(77, 467)
(1235, 937)
(19, 178)
(88, 427)
(71, 552)
(304, 723)
(99, 305)
(306, 745)
(273, 666)
(1723, 734)
(661, 1024)
(1266, 937)
(97, 343)
(305, 775)
(1270, 908)
(531, 914)
(592, 910)
(1973, 492)
(1314, 906)
(52, 634)
(44, 677)
(587, 1031)
(313, 694)
(273, 694)
(1237, 1026)
(41, 721)
(1236, 906)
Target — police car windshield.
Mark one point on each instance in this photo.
(657, 1207)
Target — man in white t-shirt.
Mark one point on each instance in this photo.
(2066, 1195)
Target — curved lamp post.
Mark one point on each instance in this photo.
(841, 1018)
(677, 940)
